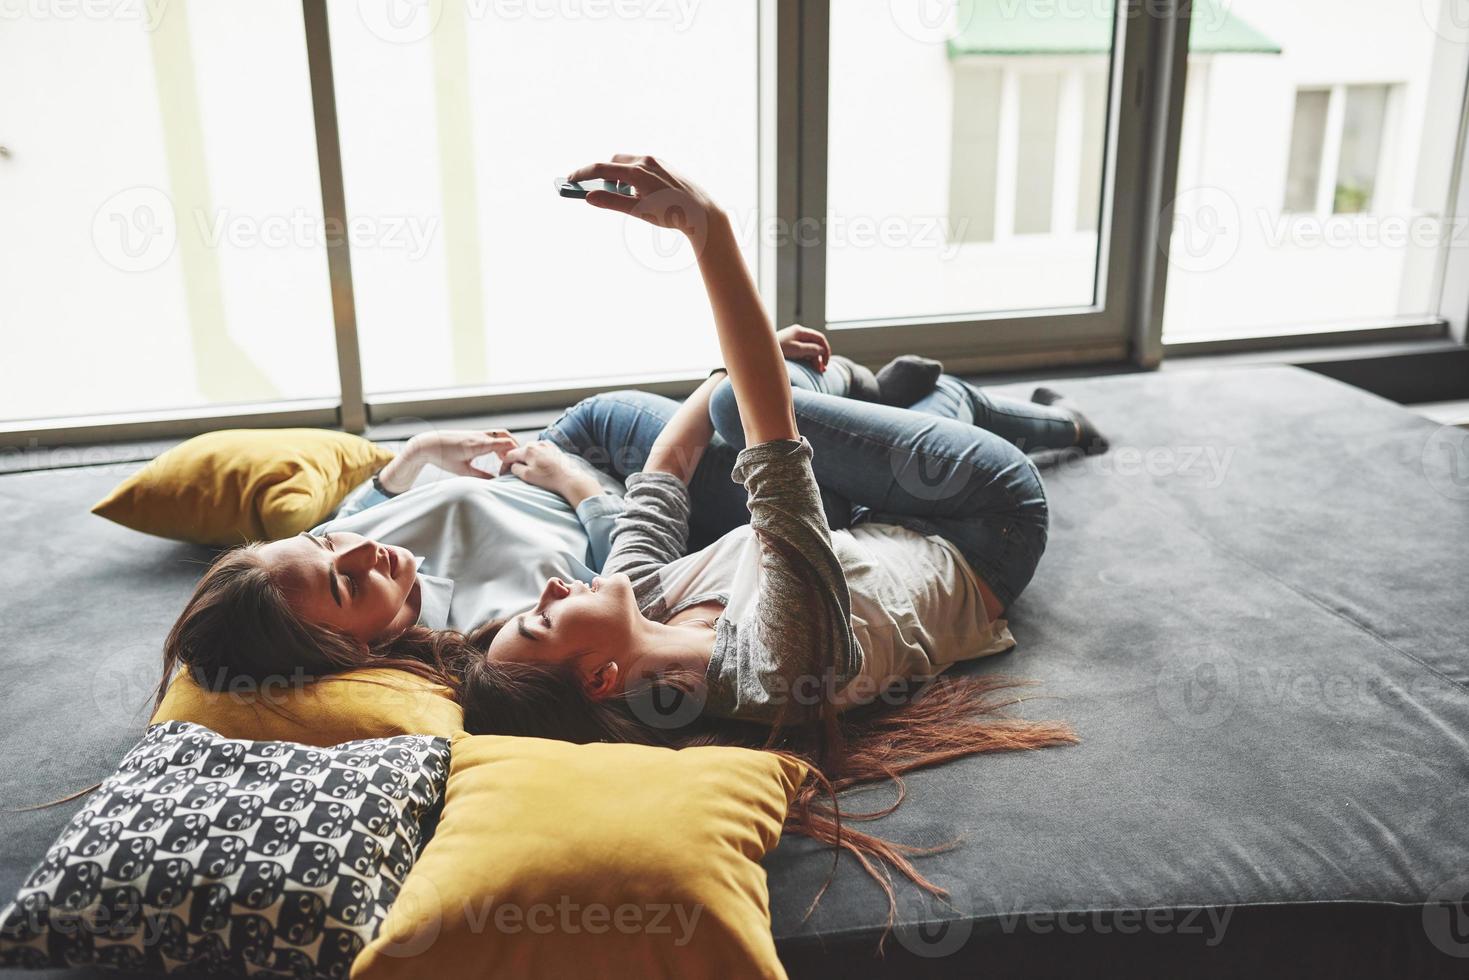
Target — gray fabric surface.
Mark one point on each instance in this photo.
(1267, 665)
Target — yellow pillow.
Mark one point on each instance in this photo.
(237, 485)
(359, 704)
(604, 860)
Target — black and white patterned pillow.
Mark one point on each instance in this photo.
(216, 855)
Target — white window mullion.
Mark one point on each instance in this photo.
(1336, 112)
(1069, 128)
(1007, 155)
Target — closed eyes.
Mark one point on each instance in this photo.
(352, 588)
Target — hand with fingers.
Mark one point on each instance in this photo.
(661, 197)
(800, 343)
(543, 464)
(451, 450)
(747, 340)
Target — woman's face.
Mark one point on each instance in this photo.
(571, 621)
(347, 582)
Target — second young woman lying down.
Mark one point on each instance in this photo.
(785, 633)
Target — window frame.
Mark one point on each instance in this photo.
(1148, 72)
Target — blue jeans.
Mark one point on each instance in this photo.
(920, 468)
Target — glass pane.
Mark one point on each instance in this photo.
(454, 121)
(1035, 168)
(1314, 169)
(162, 240)
(965, 156)
(1361, 148)
(1307, 137)
(1093, 136)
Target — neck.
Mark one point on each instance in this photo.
(662, 648)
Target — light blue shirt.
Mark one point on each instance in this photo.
(487, 546)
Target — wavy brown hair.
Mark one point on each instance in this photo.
(238, 626)
(943, 719)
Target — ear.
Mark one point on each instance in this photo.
(601, 683)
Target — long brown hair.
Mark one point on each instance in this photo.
(238, 626)
(938, 721)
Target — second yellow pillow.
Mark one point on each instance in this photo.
(237, 485)
(583, 861)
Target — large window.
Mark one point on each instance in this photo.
(1314, 169)
(454, 122)
(290, 209)
(964, 158)
(162, 241)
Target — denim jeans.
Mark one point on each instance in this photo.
(615, 431)
(918, 468)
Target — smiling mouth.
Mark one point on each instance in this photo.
(392, 564)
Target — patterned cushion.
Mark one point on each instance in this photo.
(217, 855)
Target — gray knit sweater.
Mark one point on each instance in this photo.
(788, 638)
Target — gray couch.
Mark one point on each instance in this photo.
(1251, 610)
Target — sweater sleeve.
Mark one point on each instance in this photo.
(598, 516)
(800, 633)
(651, 531)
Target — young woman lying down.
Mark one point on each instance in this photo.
(780, 632)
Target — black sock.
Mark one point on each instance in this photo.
(1091, 441)
(904, 380)
(863, 384)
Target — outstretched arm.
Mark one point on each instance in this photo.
(747, 340)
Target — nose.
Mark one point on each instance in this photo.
(365, 554)
(555, 589)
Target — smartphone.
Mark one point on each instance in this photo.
(580, 189)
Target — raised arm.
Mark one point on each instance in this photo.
(747, 340)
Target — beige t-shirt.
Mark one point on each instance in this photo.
(875, 605)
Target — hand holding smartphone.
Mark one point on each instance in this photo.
(581, 188)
